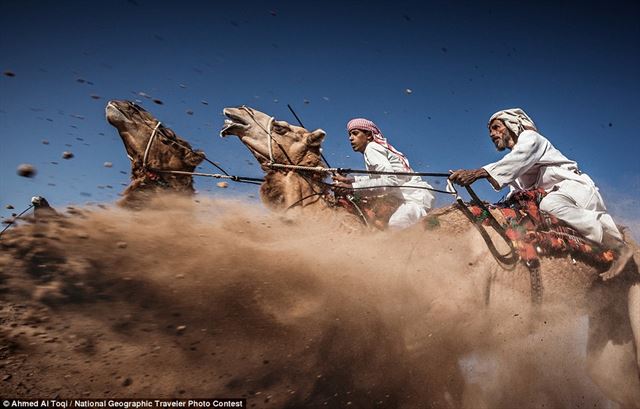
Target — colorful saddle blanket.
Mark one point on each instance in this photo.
(376, 210)
(535, 233)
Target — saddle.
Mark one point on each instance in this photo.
(535, 233)
(375, 210)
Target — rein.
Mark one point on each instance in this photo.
(507, 261)
(270, 138)
(273, 165)
(174, 141)
(15, 218)
(300, 122)
(151, 170)
(146, 151)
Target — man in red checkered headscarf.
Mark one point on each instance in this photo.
(365, 137)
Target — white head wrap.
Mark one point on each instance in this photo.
(515, 119)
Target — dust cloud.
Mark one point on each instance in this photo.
(216, 298)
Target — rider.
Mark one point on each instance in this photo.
(415, 200)
(535, 163)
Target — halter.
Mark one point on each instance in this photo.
(152, 173)
(151, 138)
(272, 163)
(267, 132)
(146, 151)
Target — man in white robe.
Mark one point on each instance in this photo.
(379, 155)
(535, 163)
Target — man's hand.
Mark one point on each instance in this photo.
(342, 184)
(342, 179)
(342, 189)
(464, 177)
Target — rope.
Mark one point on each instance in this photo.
(303, 199)
(226, 175)
(267, 131)
(377, 172)
(300, 122)
(155, 129)
(269, 138)
(201, 154)
(318, 169)
(507, 261)
(403, 187)
(270, 145)
(234, 178)
(151, 138)
(14, 219)
(362, 216)
(321, 169)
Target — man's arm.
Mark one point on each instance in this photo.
(375, 157)
(528, 151)
(342, 181)
(466, 177)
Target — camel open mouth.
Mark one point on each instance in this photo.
(233, 124)
(117, 112)
(113, 113)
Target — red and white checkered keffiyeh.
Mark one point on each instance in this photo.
(367, 125)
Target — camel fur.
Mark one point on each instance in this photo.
(167, 152)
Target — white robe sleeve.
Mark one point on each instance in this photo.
(525, 154)
(376, 159)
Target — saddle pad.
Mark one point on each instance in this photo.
(536, 233)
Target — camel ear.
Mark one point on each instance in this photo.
(315, 138)
(194, 159)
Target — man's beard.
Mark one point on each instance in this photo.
(501, 144)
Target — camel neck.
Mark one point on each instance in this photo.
(293, 189)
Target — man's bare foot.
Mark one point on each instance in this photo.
(619, 263)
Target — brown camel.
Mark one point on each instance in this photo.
(167, 151)
(273, 141)
(295, 145)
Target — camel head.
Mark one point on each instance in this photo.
(166, 152)
(290, 144)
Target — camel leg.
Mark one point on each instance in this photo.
(615, 368)
(615, 374)
(634, 318)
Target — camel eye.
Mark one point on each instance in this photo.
(280, 129)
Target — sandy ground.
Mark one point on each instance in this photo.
(219, 299)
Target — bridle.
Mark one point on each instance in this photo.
(146, 151)
(268, 132)
(152, 173)
(273, 165)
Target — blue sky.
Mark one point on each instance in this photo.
(573, 66)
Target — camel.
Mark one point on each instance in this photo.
(273, 141)
(166, 152)
(281, 190)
